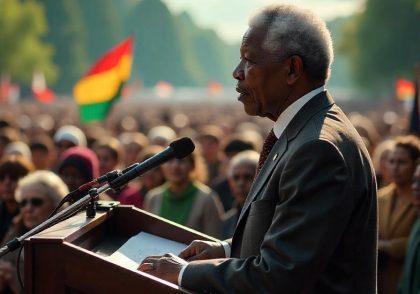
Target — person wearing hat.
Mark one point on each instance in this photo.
(77, 166)
(68, 136)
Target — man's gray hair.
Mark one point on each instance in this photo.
(296, 31)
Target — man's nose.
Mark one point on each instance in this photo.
(238, 72)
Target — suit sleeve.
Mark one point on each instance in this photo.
(314, 204)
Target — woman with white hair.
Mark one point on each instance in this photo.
(38, 194)
(241, 173)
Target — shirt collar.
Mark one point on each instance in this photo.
(286, 116)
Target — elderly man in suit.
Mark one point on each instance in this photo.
(309, 223)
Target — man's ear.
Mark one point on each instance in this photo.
(295, 69)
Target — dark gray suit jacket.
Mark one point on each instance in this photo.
(309, 224)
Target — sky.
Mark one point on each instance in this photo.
(229, 17)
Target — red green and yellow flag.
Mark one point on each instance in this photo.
(101, 86)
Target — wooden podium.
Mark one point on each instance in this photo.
(70, 256)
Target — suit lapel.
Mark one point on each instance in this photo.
(316, 104)
(276, 153)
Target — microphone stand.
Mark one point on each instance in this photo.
(62, 215)
(115, 180)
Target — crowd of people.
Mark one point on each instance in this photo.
(204, 191)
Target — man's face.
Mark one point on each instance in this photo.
(261, 77)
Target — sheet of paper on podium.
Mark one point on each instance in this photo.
(142, 245)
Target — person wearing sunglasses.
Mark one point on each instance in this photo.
(38, 194)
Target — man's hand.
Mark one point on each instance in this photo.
(166, 267)
(199, 250)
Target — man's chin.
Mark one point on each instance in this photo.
(251, 110)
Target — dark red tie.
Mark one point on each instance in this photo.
(269, 142)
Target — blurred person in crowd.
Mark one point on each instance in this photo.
(210, 137)
(241, 173)
(134, 143)
(110, 154)
(12, 168)
(396, 212)
(366, 129)
(380, 162)
(5, 120)
(161, 135)
(43, 152)
(18, 148)
(38, 194)
(153, 178)
(7, 135)
(94, 133)
(231, 147)
(253, 137)
(410, 279)
(309, 224)
(184, 198)
(68, 136)
(77, 166)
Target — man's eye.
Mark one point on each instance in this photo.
(249, 60)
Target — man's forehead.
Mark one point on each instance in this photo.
(252, 34)
(245, 39)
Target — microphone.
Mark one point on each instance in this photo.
(177, 149)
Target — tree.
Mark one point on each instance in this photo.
(66, 32)
(213, 58)
(158, 53)
(383, 42)
(22, 24)
(174, 49)
(102, 26)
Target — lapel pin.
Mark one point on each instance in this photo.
(275, 156)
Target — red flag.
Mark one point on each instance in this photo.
(9, 92)
(214, 88)
(164, 89)
(40, 90)
(404, 90)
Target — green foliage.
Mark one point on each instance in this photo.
(158, 53)
(21, 51)
(174, 49)
(383, 42)
(64, 37)
(208, 51)
(340, 70)
(103, 28)
(66, 32)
